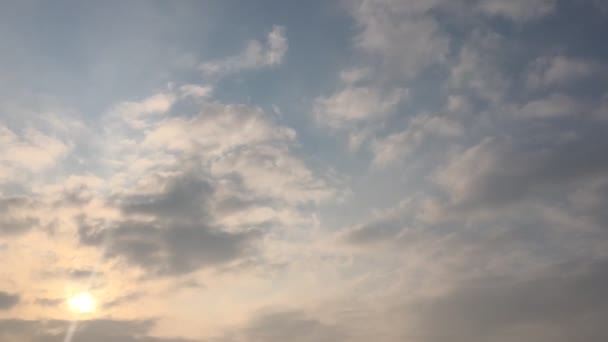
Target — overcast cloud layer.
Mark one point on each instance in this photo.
(386, 170)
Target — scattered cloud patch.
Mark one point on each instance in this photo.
(255, 55)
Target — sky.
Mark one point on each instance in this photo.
(309, 171)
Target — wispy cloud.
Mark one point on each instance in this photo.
(255, 55)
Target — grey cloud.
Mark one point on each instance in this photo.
(101, 330)
(517, 10)
(8, 300)
(80, 273)
(376, 231)
(498, 172)
(76, 196)
(235, 204)
(166, 248)
(49, 301)
(561, 303)
(180, 237)
(16, 215)
(590, 200)
(17, 225)
(120, 300)
(283, 326)
(182, 196)
(565, 303)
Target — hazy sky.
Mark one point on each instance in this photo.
(306, 171)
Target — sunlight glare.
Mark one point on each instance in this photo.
(82, 303)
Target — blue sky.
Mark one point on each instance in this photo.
(234, 171)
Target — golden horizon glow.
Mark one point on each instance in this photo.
(82, 303)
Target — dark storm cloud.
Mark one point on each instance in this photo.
(181, 236)
(8, 300)
(91, 331)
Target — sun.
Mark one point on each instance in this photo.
(82, 303)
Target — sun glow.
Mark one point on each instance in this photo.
(82, 303)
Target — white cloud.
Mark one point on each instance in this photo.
(473, 72)
(217, 129)
(458, 104)
(136, 114)
(560, 70)
(420, 128)
(255, 55)
(352, 76)
(556, 105)
(32, 151)
(401, 34)
(273, 172)
(460, 174)
(244, 141)
(356, 104)
(196, 91)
